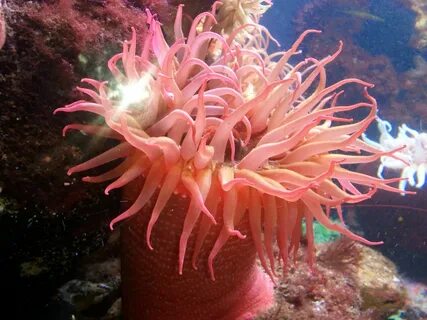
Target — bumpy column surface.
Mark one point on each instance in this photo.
(153, 288)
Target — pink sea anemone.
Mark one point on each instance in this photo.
(238, 135)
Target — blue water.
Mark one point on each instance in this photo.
(279, 20)
(389, 37)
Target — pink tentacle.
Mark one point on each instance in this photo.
(151, 183)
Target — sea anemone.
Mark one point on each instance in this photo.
(238, 135)
(233, 14)
(413, 153)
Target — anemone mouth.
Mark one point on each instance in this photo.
(236, 130)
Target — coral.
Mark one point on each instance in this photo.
(250, 144)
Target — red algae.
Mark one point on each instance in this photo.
(40, 64)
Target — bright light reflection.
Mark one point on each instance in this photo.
(134, 94)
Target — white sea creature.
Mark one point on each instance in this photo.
(414, 154)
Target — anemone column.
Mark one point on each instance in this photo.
(154, 289)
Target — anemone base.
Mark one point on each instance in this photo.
(153, 288)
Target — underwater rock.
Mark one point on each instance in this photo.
(381, 289)
(45, 216)
(114, 311)
(95, 292)
(342, 286)
(83, 294)
(350, 281)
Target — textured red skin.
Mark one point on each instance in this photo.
(153, 289)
